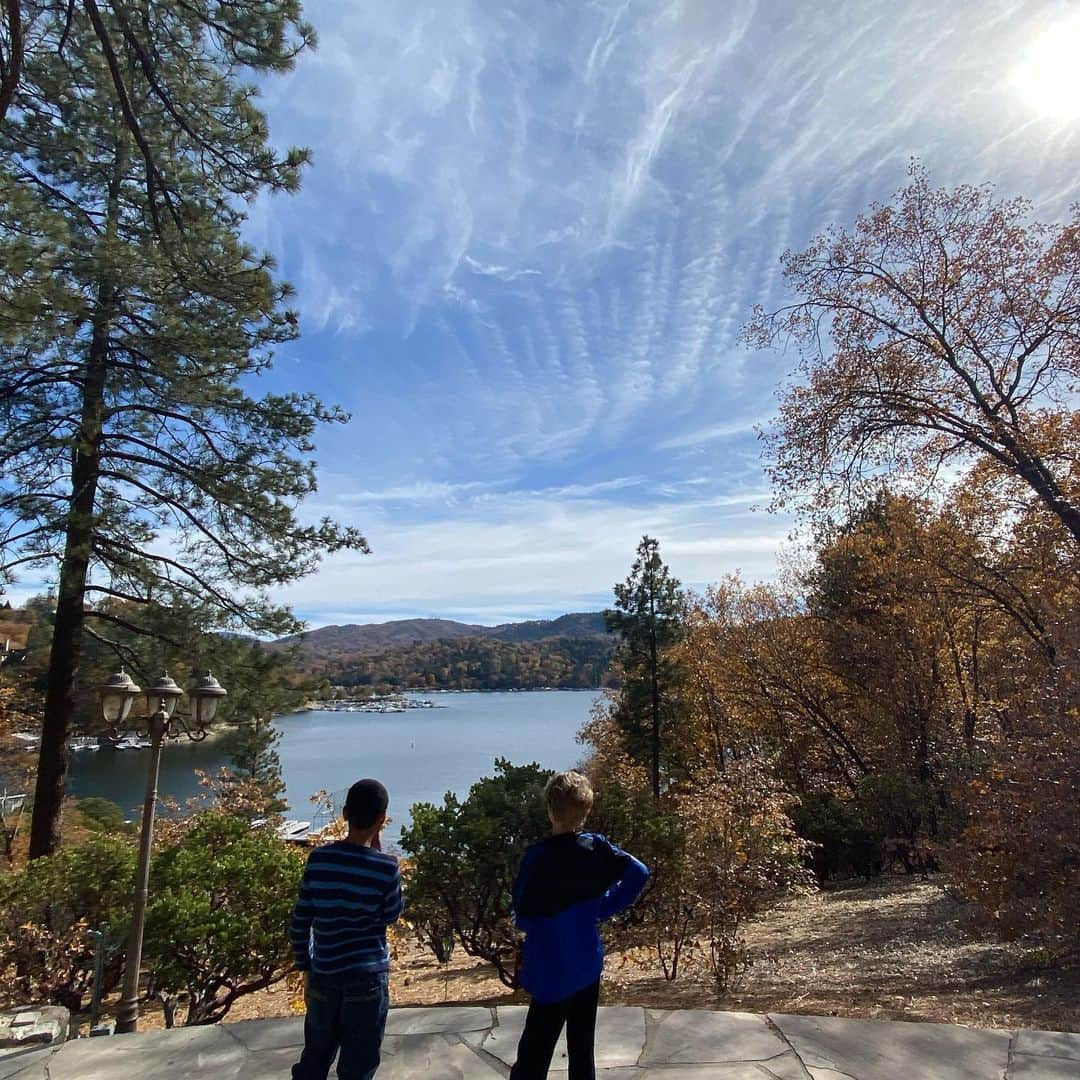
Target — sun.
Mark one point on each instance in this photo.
(1049, 76)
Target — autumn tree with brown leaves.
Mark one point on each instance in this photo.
(943, 328)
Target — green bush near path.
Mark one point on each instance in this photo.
(101, 815)
(217, 923)
(46, 954)
(221, 894)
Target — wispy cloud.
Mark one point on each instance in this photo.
(713, 433)
(505, 273)
(533, 231)
(515, 555)
(422, 491)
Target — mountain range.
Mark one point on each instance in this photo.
(361, 638)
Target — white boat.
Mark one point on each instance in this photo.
(84, 742)
(294, 831)
(132, 743)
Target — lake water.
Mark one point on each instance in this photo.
(420, 754)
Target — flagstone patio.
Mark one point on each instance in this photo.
(650, 1044)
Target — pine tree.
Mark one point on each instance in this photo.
(137, 464)
(251, 749)
(649, 617)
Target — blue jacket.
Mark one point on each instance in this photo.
(566, 886)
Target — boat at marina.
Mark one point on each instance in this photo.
(131, 742)
(296, 832)
(376, 705)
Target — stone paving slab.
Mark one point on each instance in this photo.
(25, 1065)
(406, 1057)
(894, 1050)
(260, 1065)
(197, 1053)
(473, 1043)
(434, 1021)
(1057, 1044)
(273, 1034)
(741, 1071)
(698, 1036)
(1034, 1067)
(787, 1066)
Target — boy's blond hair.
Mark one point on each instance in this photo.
(569, 799)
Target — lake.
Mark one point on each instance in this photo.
(420, 754)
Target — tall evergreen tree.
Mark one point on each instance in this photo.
(253, 757)
(649, 617)
(137, 464)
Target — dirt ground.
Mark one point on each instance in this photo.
(894, 949)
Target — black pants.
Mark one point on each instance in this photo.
(543, 1025)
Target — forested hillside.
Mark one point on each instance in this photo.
(473, 664)
(576, 625)
(375, 637)
(378, 637)
(573, 651)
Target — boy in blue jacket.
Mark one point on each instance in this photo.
(566, 886)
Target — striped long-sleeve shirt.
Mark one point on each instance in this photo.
(348, 897)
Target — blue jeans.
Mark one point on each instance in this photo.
(346, 1012)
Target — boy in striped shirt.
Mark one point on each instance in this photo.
(350, 893)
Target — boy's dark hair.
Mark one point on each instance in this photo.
(366, 803)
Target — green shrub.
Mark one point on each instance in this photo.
(843, 844)
(46, 911)
(218, 920)
(101, 815)
(900, 810)
(464, 856)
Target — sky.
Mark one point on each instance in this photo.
(532, 233)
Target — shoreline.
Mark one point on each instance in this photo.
(334, 704)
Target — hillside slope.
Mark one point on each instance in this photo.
(357, 639)
(375, 637)
(578, 624)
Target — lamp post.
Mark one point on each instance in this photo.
(161, 721)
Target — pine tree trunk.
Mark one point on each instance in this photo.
(67, 635)
(9, 83)
(654, 666)
(68, 627)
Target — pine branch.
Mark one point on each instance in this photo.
(155, 182)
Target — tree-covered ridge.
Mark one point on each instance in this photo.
(377, 637)
(475, 664)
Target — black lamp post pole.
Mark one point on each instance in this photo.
(127, 1015)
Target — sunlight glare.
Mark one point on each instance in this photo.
(1049, 77)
